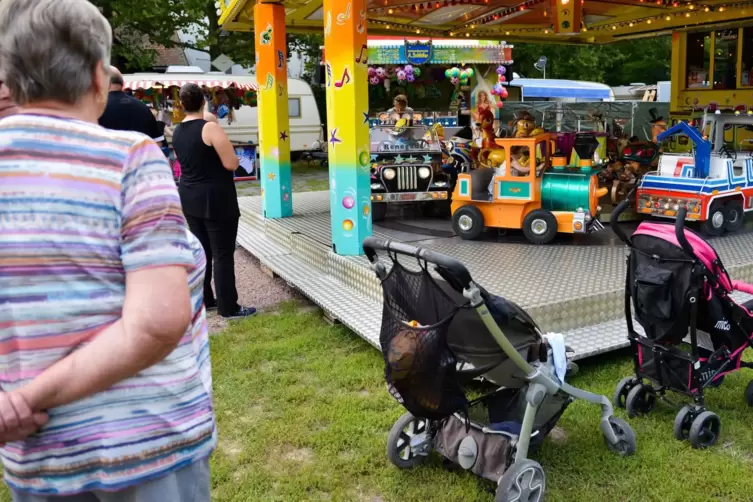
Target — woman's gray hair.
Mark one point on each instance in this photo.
(50, 48)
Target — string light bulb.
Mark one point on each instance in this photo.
(721, 9)
(649, 21)
(667, 18)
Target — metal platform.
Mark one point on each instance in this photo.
(574, 286)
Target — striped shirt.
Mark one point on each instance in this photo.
(79, 207)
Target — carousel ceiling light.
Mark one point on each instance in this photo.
(687, 14)
(649, 21)
(706, 9)
(721, 9)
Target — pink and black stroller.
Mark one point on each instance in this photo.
(679, 287)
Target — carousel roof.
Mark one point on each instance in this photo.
(570, 21)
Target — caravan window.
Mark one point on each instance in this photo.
(294, 108)
(725, 59)
(698, 62)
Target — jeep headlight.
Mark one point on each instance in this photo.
(388, 174)
(424, 172)
(440, 184)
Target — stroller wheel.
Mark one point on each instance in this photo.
(641, 400)
(682, 423)
(705, 429)
(622, 390)
(749, 394)
(399, 449)
(524, 481)
(626, 443)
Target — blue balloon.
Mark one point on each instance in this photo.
(223, 111)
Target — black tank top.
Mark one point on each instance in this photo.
(207, 189)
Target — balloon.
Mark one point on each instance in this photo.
(502, 78)
(463, 75)
(501, 70)
(401, 75)
(500, 104)
(380, 73)
(417, 72)
(372, 72)
(493, 92)
(408, 69)
(455, 73)
(503, 94)
(447, 73)
(455, 80)
(464, 81)
(411, 78)
(470, 72)
(374, 80)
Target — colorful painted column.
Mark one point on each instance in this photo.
(274, 142)
(347, 120)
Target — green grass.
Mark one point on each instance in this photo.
(304, 414)
(306, 178)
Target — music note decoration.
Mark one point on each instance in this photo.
(345, 16)
(344, 80)
(363, 58)
(266, 35)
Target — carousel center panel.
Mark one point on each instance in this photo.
(573, 286)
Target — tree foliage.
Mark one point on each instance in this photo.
(646, 60)
(140, 27)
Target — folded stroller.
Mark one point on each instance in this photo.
(430, 327)
(678, 285)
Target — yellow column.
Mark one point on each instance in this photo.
(274, 132)
(348, 124)
(678, 71)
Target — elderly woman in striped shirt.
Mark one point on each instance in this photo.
(104, 361)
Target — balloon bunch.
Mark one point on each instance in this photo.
(401, 74)
(499, 89)
(458, 76)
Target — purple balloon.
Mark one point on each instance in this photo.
(408, 69)
(501, 70)
(411, 78)
(374, 80)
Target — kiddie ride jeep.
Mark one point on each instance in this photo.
(528, 188)
(406, 167)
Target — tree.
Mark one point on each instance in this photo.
(645, 60)
(140, 27)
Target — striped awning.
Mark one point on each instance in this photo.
(224, 84)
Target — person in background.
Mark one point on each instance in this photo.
(7, 106)
(400, 108)
(126, 113)
(210, 202)
(105, 367)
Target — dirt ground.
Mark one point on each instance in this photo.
(255, 288)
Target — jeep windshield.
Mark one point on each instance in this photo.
(404, 139)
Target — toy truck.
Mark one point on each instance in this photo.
(712, 181)
(530, 189)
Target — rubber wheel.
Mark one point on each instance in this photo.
(524, 481)
(468, 222)
(626, 443)
(749, 394)
(621, 391)
(704, 431)
(641, 400)
(378, 211)
(714, 225)
(734, 216)
(540, 227)
(398, 441)
(683, 419)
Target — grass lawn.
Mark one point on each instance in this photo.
(304, 414)
(306, 178)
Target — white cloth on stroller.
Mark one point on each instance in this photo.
(559, 354)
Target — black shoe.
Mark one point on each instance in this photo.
(242, 312)
(210, 306)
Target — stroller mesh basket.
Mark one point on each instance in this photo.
(420, 368)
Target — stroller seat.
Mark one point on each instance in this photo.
(748, 305)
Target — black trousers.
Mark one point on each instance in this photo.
(217, 237)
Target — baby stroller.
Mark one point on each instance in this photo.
(429, 327)
(677, 284)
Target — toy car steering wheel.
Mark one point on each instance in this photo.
(726, 152)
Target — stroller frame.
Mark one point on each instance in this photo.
(618, 435)
(693, 422)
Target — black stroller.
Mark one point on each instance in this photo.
(678, 285)
(429, 327)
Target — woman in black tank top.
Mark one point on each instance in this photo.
(210, 202)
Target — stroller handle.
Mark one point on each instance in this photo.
(614, 220)
(680, 232)
(445, 263)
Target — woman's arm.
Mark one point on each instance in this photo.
(156, 313)
(213, 135)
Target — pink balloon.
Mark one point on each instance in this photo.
(372, 72)
(503, 94)
(401, 75)
(374, 80)
(500, 104)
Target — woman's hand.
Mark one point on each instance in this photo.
(17, 420)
